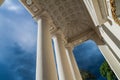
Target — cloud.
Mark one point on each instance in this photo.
(12, 5)
(14, 8)
(5, 73)
(17, 62)
(20, 28)
(24, 65)
(18, 34)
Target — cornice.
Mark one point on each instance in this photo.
(81, 38)
(81, 35)
(33, 7)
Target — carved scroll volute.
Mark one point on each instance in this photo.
(113, 10)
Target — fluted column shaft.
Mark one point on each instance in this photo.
(63, 65)
(74, 67)
(45, 64)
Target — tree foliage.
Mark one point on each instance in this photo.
(106, 71)
(86, 75)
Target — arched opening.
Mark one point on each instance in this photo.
(91, 63)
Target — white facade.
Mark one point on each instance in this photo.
(110, 31)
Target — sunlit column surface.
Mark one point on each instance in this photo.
(74, 66)
(63, 66)
(45, 66)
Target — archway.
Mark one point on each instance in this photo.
(91, 62)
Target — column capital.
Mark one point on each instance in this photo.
(57, 32)
(43, 15)
(69, 46)
(46, 19)
(62, 58)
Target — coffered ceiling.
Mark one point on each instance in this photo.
(71, 16)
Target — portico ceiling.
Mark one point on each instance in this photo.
(71, 16)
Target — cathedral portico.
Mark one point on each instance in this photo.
(69, 23)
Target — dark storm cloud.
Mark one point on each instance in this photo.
(17, 42)
(89, 57)
(5, 72)
(20, 63)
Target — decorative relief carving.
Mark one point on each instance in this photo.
(61, 8)
(68, 15)
(34, 9)
(63, 0)
(55, 12)
(29, 2)
(57, 2)
(113, 10)
(33, 6)
(67, 5)
(64, 14)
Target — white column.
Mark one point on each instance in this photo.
(45, 65)
(63, 66)
(91, 9)
(73, 63)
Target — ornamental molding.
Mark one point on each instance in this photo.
(81, 38)
(113, 10)
(33, 7)
(29, 2)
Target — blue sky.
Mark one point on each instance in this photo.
(18, 34)
(89, 58)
